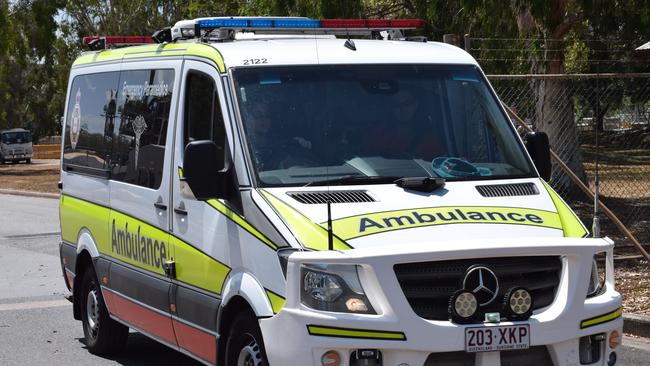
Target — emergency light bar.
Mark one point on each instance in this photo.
(287, 25)
(305, 23)
(102, 42)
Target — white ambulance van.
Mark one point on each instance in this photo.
(257, 191)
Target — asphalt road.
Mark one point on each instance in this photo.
(36, 324)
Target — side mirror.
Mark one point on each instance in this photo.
(539, 149)
(206, 169)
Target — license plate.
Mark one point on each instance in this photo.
(489, 339)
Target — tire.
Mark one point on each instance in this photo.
(103, 335)
(28, 161)
(245, 346)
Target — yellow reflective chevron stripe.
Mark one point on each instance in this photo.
(133, 241)
(355, 333)
(597, 320)
(374, 223)
(571, 224)
(156, 50)
(277, 301)
(310, 234)
(76, 214)
(221, 207)
(198, 269)
(137, 243)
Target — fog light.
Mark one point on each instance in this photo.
(366, 357)
(463, 307)
(331, 358)
(611, 361)
(518, 303)
(590, 348)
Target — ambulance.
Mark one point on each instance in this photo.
(290, 191)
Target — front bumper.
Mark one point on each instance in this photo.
(300, 333)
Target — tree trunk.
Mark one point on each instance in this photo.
(555, 114)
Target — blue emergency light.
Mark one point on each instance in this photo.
(258, 23)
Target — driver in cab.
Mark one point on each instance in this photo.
(270, 138)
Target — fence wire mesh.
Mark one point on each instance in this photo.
(593, 120)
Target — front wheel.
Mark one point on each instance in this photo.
(244, 346)
(103, 334)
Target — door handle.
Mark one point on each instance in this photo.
(180, 211)
(169, 267)
(160, 206)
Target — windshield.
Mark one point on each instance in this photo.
(344, 124)
(16, 137)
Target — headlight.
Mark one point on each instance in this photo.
(334, 288)
(597, 278)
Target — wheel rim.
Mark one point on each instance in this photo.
(250, 354)
(92, 312)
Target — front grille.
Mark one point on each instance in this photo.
(428, 286)
(508, 190)
(333, 196)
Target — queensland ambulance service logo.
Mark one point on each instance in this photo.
(139, 126)
(75, 121)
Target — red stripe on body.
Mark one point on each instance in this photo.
(196, 341)
(70, 278)
(148, 320)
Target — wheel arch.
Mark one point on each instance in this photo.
(86, 252)
(242, 293)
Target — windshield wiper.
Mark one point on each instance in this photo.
(356, 179)
(421, 184)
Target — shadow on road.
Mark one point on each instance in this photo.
(142, 351)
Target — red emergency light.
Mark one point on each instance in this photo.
(372, 23)
(103, 42)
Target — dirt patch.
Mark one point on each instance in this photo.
(633, 282)
(40, 176)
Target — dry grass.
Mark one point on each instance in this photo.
(633, 281)
(40, 176)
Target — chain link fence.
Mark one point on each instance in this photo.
(595, 123)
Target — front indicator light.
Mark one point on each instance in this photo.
(355, 305)
(463, 307)
(330, 358)
(614, 339)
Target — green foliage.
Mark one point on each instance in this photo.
(42, 37)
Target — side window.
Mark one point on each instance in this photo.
(203, 118)
(140, 131)
(90, 120)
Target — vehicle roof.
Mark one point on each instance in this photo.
(300, 51)
(292, 51)
(14, 130)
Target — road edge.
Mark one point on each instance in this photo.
(636, 324)
(17, 192)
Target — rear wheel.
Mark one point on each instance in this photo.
(28, 161)
(244, 346)
(103, 334)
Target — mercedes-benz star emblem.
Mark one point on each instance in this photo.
(483, 283)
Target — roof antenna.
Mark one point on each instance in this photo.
(595, 226)
(330, 234)
(349, 43)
